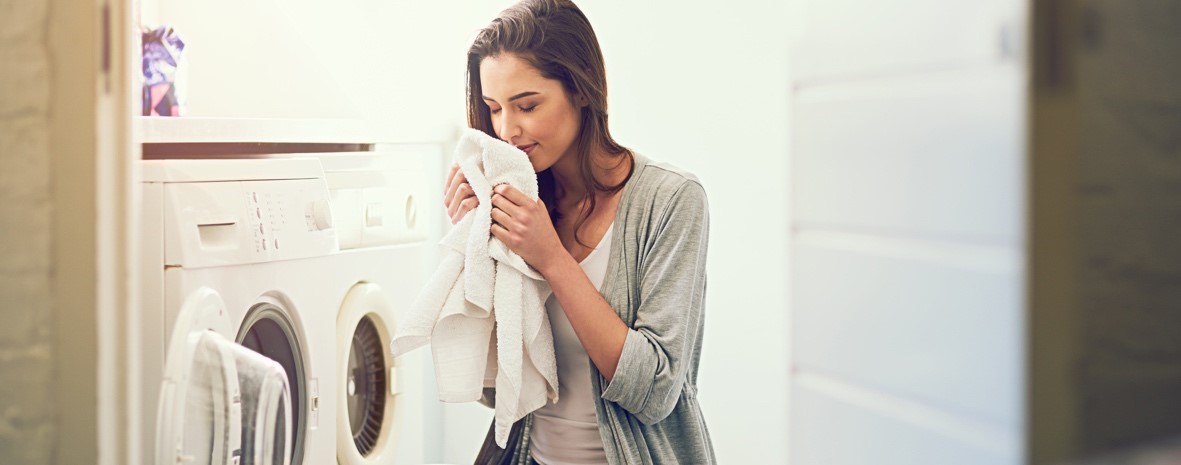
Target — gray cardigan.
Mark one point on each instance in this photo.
(655, 281)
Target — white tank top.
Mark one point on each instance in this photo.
(567, 433)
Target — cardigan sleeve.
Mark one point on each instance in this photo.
(663, 341)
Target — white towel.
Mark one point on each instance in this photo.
(482, 288)
(266, 408)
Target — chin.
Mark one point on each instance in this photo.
(539, 164)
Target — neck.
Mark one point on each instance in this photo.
(568, 174)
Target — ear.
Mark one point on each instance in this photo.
(581, 100)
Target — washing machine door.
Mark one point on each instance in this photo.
(199, 414)
(366, 377)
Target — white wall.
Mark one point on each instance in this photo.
(908, 233)
(401, 62)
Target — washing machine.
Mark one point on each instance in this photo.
(232, 254)
(377, 201)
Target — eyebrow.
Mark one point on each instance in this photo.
(520, 95)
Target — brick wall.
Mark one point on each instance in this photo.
(1128, 205)
(27, 421)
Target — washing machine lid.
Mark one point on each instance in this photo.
(174, 171)
(199, 414)
(405, 157)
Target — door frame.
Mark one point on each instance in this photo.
(94, 234)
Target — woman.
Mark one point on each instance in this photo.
(621, 241)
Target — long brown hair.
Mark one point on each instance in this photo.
(555, 38)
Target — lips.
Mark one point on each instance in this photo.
(526, 148)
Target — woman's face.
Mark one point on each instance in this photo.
(529, 111)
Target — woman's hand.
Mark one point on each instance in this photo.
(524, 226)
(458, 196)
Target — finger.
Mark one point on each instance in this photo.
(447, 184)
(453, 206)
(462, 191)
(450, 174)
(456, 173)
(457, 179)
(499, 232)
(462, 208)
(451, 214)
(465, 206)
(449, 194)
(513, 194)
(503, 203)
(503, 219)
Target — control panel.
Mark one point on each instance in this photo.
(241, 222)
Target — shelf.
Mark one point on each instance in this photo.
(185, 130)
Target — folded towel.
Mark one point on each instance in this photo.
(482, 289)
(266, 409)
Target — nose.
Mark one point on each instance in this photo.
(508, 128)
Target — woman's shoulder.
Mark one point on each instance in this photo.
(656, 183)
(652, 174)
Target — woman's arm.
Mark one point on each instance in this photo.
(664, 341)
(598, 327)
